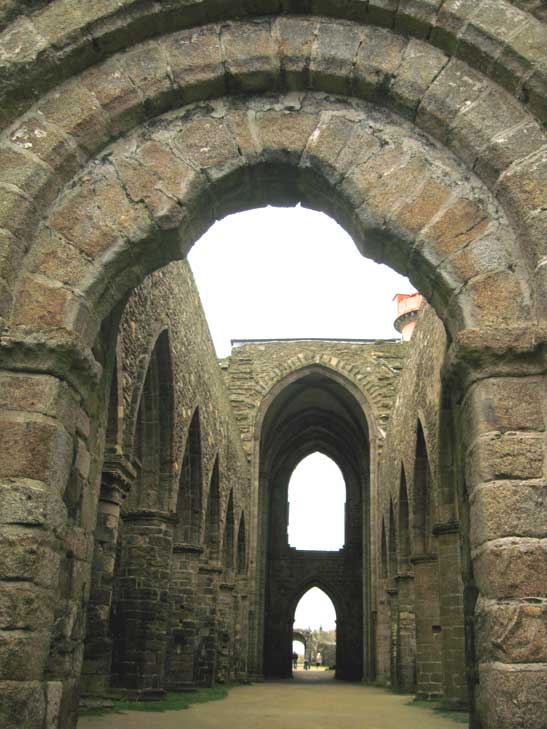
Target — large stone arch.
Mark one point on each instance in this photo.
(48, 281)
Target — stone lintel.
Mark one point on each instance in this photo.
(402, 576)
(228, 586)
(447, 527)
(423, 558)
(186, 548)
(212, 569)
(150, 515)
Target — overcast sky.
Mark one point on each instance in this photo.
(291, 273)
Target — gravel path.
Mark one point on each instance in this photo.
(313, 700)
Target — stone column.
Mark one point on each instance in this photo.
(184, 625)
(454, 684)
(406, 622)
(393, 634)
(117, 477)
(141, 607)
(505, 515)
(47, 513)
(225, 632)
(508, 538)
(383, 633)
(207, 596)
(429, 684)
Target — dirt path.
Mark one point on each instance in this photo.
(312, 701)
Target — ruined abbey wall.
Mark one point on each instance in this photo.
(420, 594)
(127, 129)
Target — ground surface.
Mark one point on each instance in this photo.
(312, 701)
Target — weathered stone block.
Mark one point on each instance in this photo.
(76, 111)
(36, 448)
(333, 57)
(502, 405)
(250, 57)
(377, 61)
(454, 89)
(23, 704)
(117, 95)
(509, 455)
(420, 65)
(513, 632)
(512, 696)
(295, 39)
(195, 62)
(508, 508)
(512, 568)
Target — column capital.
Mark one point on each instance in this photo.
(117, 478)
(477, 354)
(56, 352)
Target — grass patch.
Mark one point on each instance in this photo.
(459, 717)
(170, 702)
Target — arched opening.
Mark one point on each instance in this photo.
(315, 410)
(317, 501)
(190, 487)
(212, 517)
(140, 622)
(101, 250)
(241, 547)
(315, 618)
(392, 544)
(228, 543)
(383, 553)
(404, 529)
(153, 438)
(422, 495)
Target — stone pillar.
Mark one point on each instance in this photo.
(406, 630)
(206, 650)
(225, 632)
(141, 608)
(505, 516)
(454, 684)
(184, 626)
(117, 477)
(429, 683)
(383, 633)
(47, 513)
(393, 635)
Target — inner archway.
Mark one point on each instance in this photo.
(315, 619)
(313, 410)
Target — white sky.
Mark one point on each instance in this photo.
(290, 273)
(317, 496)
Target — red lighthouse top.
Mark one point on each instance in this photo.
(408, 306)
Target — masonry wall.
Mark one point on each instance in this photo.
(160, 604)
(420, 622)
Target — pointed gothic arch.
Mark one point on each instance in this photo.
(404, 550)
(423, 497)
(189, 501)
(242, 547)
(212, 516)
(228, 540)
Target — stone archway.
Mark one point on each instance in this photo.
(80, 211)
(313, 411)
